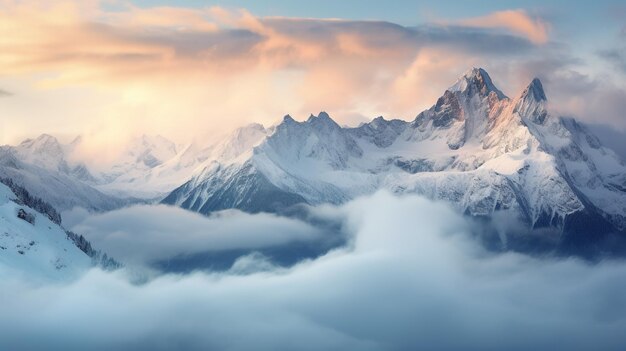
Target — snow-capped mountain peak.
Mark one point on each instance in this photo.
(476, 148)
(535, 88)
(44, 150)
(47, 153)
(43, 142)
(288, 119)
(476, 81)
(322, 121)
(531, 104)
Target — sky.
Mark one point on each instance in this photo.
(113, 69)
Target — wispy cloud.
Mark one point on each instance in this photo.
(616, 56)
(518, 21)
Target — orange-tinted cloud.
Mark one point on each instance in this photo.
(411, 89)
(81, 67)
(517, 21)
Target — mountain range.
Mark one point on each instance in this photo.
(505, 160)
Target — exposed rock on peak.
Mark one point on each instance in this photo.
(531, 105)
(535, 88)
(380, 131)
(476, 81)
(323, 120)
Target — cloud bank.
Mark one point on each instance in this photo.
(112, 70)
(411, 278)
(133, 69)
(143, 234)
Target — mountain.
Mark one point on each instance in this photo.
(32, 241)
(140, 169)
(41, 165)
(150, 167)
(46, 152)
(145, 170)
(483, 152)
(490, 156)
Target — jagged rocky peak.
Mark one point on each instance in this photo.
(447, 109)
(42, 142)
(45, 151)
(323, 115)
(322, 120)
(535, 89)
(379, 119)
(319, 137)
(473, 96)
(379, 123)
(531, 105)
(380, 131)
(476, 81)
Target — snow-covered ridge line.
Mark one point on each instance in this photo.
(476, 148)
(480, 150)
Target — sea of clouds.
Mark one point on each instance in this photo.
(409, 277)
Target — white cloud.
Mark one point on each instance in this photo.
(411, 279)
(143, 234)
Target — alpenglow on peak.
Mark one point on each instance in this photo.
(476, 80)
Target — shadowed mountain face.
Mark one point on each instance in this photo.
(486, 154)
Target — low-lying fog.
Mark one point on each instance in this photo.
(386, 273)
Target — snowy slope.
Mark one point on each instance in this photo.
(49, 169)
(476, 148)
(45, 172)
(48, 153)
(154, 166)
(135, 172)
(148, 167)
(38, 250)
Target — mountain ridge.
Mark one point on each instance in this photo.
(475, 148)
